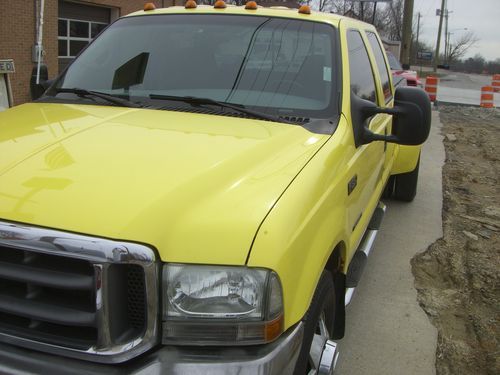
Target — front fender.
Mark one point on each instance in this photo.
(306, 224)
(406, 159)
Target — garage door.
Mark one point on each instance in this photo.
(78, 24)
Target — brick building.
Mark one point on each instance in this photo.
(68, 26)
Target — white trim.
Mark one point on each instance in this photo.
(39, 42)
(74, 19)
(69, 38)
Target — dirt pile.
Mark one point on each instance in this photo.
(458, 277)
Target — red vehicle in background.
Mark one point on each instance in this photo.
(399, 75)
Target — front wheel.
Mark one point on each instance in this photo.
(318, 354)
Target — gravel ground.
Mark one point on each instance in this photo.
(458, 278)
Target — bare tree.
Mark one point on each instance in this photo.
(458, 49)
(323, 5)
(388, 20)
(391, 20)
(337, 6)
(333, 6)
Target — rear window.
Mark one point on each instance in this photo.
(362, 81)
(393, 62)
(382, 67)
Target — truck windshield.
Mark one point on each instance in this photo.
(278, 66)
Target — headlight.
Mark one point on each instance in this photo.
(220, 305)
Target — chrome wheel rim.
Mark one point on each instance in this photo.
(320, 338)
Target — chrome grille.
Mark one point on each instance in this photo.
(46, 296)
(79, 296)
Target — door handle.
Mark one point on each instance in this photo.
(351, 185)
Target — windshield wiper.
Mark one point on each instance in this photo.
(200, 101)
(109, 98)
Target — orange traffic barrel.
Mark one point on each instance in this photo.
(487, 97)
(495, 82)
(431, 85)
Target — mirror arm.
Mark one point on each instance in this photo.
(371, 111)
(411, 118)
(369, 136)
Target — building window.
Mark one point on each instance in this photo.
(74, 35)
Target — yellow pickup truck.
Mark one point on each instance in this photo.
(198, 191)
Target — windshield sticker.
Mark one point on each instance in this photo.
(327, 74)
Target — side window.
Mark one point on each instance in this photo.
(381, 65)
(362, 82)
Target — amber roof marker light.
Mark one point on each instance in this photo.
(305, 9)
(190, 4)
(220, 4)
(251, 5)
(149, 6)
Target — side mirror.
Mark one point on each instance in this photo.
(37, 90)
(411, 117)
(411, 123)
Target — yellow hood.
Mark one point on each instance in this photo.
(194, 186)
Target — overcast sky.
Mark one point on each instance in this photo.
(480, 16)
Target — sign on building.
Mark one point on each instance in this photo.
(7, 66)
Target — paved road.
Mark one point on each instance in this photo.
(446, 95)
(461, 88)
(457, 79)
(387, 332)
(464, 81)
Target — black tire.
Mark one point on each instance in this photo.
(389, 188)
(322, 307)
(405, 185)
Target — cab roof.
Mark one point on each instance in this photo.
(277, 11)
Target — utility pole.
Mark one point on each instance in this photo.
(436, 56)
(374, 12)
(418, 32)
(407, 23)
(448, 46)
(446, 35)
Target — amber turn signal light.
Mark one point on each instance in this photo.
(274, 329)
(220, 4)
(251, 5)
(149, 6)
(305, 9)
(190, 4)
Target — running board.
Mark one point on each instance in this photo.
(360, 257)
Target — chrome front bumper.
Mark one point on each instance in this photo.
(277, 358)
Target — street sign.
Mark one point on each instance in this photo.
(424, 55)
(438, 12)
(7, 66)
